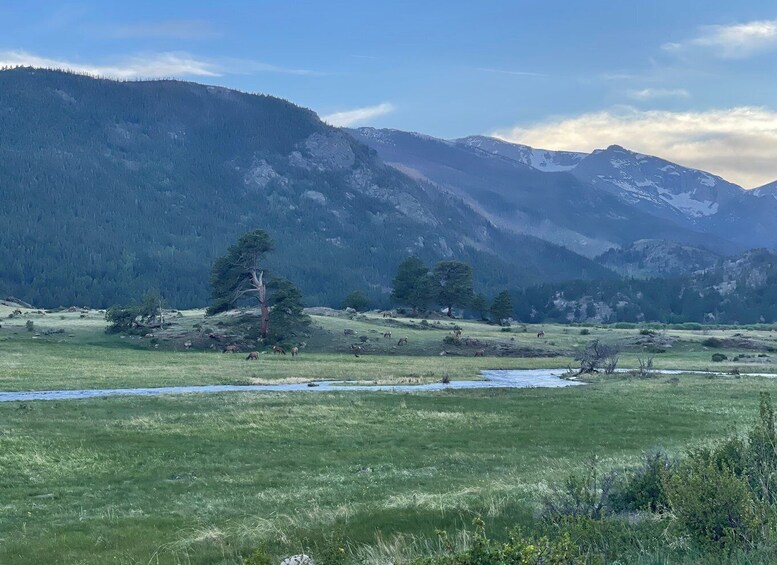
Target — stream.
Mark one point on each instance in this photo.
(524, 378)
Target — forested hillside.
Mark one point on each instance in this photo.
(739, 290)
(112, 188)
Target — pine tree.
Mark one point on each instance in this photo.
(454, 284)
(502, 308)
(413, 285)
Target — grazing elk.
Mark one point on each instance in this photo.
(541, 333)
(253, 356)
(278, 349)
(356, 348)
(231, 349)
(387, 335)
(402, 341)
(480, 353)
(294, 351)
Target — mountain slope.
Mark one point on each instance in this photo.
(649, 258)
(111, 188)
(556, 206)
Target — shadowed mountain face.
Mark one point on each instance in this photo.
(588, 203)
(111, 188)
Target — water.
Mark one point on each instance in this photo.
(519, 378)
(543, 378)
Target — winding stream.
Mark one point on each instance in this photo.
(544, 378)
(516, 378)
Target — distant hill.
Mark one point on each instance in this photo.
(588, 203)
(736, 290)
(111, 188)
(649, 258)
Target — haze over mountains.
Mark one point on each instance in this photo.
(588, 203)
(111, 188)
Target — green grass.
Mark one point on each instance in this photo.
(198, 479)
(203, 479)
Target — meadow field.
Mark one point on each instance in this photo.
(207, 478)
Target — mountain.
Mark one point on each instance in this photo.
(540, 159)
(556, 205)
(111, 188)
(740, 290)
(649, 258)
(588, 203)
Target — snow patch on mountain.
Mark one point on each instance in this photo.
(540, 159)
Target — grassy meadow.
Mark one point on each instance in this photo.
(206, 478)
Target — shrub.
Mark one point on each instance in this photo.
(712, 342)
(718, 357)
(585, 493)
(585, 331)
(644, 487)
(712, 505)
(645, 331)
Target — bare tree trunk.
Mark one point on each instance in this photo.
(258, 282)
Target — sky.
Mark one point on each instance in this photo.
(694, 82)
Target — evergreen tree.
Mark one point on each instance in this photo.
(413, 285)
(454, 284)
(288, 322)
(357, 300)
(480, 305)
(238, 275)
(502, 308)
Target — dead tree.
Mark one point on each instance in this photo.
(596, 356)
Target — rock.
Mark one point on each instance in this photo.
(301, 559)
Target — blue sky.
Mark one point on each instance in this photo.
(694, 82)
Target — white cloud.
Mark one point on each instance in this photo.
(738, 144)
(737, 41)
(151, 65)
(654, 93)
(155, 65)
(358, 116)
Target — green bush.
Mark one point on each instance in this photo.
(585, 331)
(718, 357)
(712, 342)
(713, 506)
(644, 487)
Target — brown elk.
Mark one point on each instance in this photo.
(541, 333)
(402, 341)
(278, 349)
(294, 351)
(480, 353)
(253, 356)
(187, 344)
(356, 348)
(387, 334)
(231, 349)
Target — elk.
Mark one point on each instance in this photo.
(253, 356)
(402, 341)
(231, 349)
(541, 333)
(356, 348)
(278, 349)
(187, 344)
(294, 351)
(387, 335)
(457, 333)
(480, 353)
